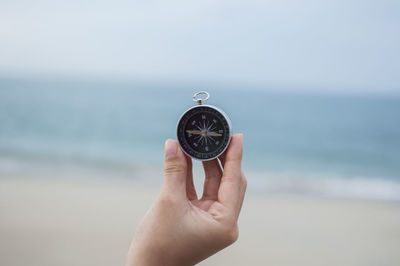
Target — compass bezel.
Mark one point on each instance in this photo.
(229, 126)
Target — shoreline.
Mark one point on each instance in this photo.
(318, 185)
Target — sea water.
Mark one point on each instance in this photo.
(327, 144)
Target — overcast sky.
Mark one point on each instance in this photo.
(333, 45)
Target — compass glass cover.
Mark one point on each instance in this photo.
(203, 132)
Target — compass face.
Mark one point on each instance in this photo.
(203, 132)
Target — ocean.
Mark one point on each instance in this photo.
(326, 144)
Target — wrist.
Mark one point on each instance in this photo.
(148, 257)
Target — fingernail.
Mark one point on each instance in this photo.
(170, 149)
(240, 136)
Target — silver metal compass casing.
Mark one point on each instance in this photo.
(225, 117)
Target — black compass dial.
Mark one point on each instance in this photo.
(203, 132)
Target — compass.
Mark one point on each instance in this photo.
(203, 131)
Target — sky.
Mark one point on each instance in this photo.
(336, 45)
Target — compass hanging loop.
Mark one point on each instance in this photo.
(200, 100)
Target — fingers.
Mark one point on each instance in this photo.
(175, 169)
(232, 159)
(233, 183)
(212, 180)
(190, 189)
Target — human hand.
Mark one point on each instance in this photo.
(180, 229)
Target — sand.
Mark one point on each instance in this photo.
(60, 221)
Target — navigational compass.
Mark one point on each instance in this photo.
(203, 131)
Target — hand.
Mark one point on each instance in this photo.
(180, 229)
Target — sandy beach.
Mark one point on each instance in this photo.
(91, 91)
(46, 221)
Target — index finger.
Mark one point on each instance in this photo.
(233, 183)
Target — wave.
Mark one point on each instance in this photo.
(325, 185)
(264, 183)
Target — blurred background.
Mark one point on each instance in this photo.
(90, 90)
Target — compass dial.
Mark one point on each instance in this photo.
(204, 132)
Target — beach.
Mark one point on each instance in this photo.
(81, 162)
(90, 93)
(84, 221)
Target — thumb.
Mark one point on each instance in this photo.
(175, 168)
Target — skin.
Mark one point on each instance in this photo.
(180, 229)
